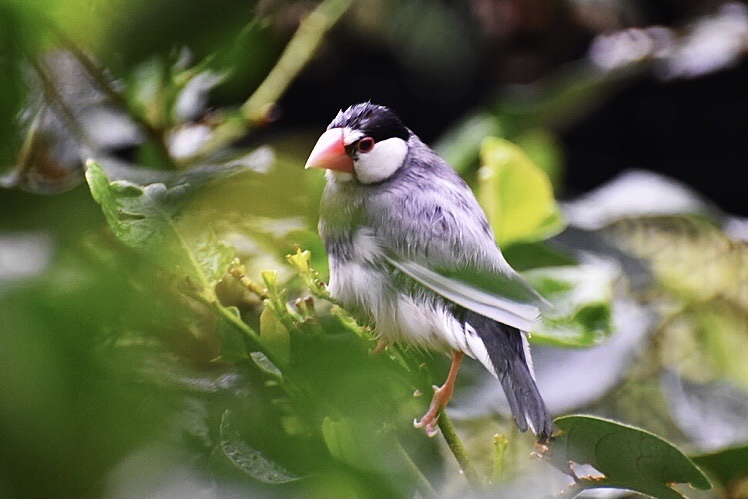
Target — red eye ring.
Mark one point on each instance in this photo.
(366, 144)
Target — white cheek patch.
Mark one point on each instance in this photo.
(385, 158)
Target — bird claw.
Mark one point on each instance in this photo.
(428, 423)
(540, 450)
(381, 346)
(431, 430)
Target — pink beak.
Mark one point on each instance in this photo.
(329, 152)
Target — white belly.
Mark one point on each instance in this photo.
(422, 320)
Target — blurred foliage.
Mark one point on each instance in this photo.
(165, 329)
(728, 466)
(516, 194)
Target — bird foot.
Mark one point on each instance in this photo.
(431, 418)
(381, 345)
(540, 449)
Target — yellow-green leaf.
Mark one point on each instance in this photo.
(516, 194)
(274, 334)
(301, 260)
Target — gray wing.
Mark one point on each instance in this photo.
(431, 228)
(519, 313)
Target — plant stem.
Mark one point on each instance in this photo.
(294, 58)
(253, 337)
(500, 443)
(455, 445)
(298, 52)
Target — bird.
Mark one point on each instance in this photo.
(409, 245)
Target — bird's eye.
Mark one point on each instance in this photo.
(366, 144)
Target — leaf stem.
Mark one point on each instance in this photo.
(253, 337)
(458, 450)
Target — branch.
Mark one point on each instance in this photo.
(298, 52)
(455, 445)
(294, 58)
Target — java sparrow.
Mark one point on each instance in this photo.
(408, 244)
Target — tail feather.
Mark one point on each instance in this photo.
(506, 353)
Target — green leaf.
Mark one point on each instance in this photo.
(274, 334)
(233, 347)
(628, 457)
(145, 91)
(688, 254)
(516, 194)
(151, 219)
(728, 466)
(581, 295)
(545, 150)
(358, 446)
(249, 460)
(341, 442)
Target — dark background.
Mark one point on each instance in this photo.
(692, 129)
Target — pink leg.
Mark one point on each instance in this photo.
(442, 395)
(381, 345)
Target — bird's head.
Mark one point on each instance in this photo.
(366, 141)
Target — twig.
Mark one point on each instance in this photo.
(239, 272)
(294, 58)
(298, 52)
(455, 445)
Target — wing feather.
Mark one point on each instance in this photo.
(498, 307)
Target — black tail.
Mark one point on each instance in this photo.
(506, 352)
